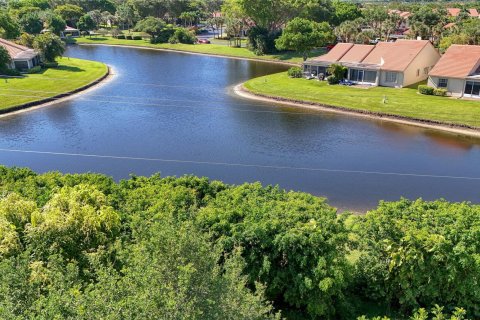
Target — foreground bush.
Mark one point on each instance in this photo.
(418, 254)
(84, 247)
(424, 89)
(295, 72)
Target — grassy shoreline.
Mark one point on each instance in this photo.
(70, 76)
(404, 103)
(210, 49)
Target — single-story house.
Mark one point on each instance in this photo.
(458, 71)
(70, 32)
(389, 64)
(23, 58)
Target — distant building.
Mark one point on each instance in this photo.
(455, 12)
(70, 32)
(458, 71)
(23, 58)
(389, 64)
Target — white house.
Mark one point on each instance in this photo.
(389, 64)
(458, 71)
(23, 58)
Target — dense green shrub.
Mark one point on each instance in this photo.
(50, 64)
(440, 92)
(262, 41)
(129, 37)
(120, 36)
(10, 72)
(182, 35)
(137, 37)
(295, 72)
(36, 69)
(417, 253)
(424, 89)
(331, 79)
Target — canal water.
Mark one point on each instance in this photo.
(176, 114)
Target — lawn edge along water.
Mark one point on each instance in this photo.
(203, 49)
(298, 93)
(55, 95)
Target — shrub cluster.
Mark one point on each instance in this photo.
(440, 92)
(331, 79)
(84, 246)
(295, 72)
(120, 36)
(424, 89)
(35, 69)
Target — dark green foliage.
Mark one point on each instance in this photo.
(293, 243)
(182, 35)
(86, 23)
(262, 41)
(31, 23)
(9, 28)
(295, 72)
(424, 89)
(56, 24)
(418, 253)
(4, 59)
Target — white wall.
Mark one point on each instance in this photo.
(427, 58)
(455, 87)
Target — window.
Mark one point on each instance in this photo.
(391, 77)
(472, 88)
(425, 70)
(442, 83)
(418, 72)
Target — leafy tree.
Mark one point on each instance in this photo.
(270, 14)
(348, 31)
(127, 15)
(70, 13)
(9, 29)
(304, 35)
(261, 41)
(86, 23)
(293, 243)
(345, 11)
(50, 46)
(447, 41)
(4, 58)
(235, 20)
(31, 23)
(152, 26)
(418, 253)
(56, 24)
(182, 35)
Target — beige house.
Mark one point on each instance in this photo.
(389, 64)
(458, 71)
(22, 58)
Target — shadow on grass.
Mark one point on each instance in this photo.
(287, 55)
(98, 38)
(69, 68)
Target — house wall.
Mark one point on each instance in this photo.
(383, 79)
(454, 86)
(417, 70)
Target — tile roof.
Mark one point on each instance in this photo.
(473, 12)
(454, 11)
(17, 51)
(449, 25)
(336, 53)
(458, 62)
(392, 56)
(357, 53)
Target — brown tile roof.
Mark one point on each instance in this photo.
(336, 53)
(395, 56)
(453, 11)
(17, 51)
(473, 12)
(449, 25)
(357, 53)
(458, 62)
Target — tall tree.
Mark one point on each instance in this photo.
(303, 35)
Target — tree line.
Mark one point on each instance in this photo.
(83, 246)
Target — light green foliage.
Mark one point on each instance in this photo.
(293, 243)
(152, 26)
(70, 13)
(418, 253)
(304, 35)
(31, 23)
(9, 28)
(86, 23)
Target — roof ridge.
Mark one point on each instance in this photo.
(13, 44)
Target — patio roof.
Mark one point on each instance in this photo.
(16, 51)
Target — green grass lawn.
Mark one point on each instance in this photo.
(403, 102)
(215, 49)
(70, 74)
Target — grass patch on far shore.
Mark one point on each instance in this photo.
(70, 74)
(402, 102)
(214, 49)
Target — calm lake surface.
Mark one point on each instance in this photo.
(174, 106)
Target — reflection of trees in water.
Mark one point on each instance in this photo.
(444, 139)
